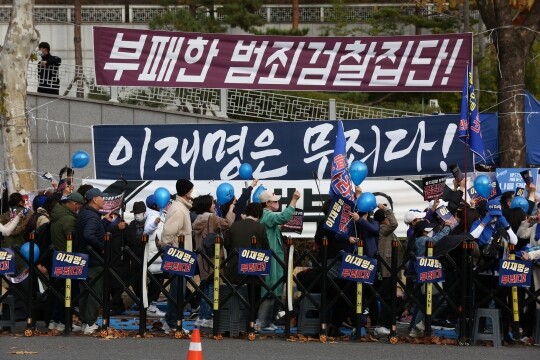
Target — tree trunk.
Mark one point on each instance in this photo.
(513, 39)
(79, 72)
(20, 41)
(295, 14)
(513, 53)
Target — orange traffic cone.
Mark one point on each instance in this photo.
(195, 348)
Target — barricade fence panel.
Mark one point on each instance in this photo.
(471, 283)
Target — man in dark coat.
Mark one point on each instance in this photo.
(49, 82)
(90, 233)
(239, 236)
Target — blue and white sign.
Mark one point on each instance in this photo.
(7, 261)
(515, 273)
(254, 261)
(69, 265)
(357, 268)
(429, 270)
(179, 261)
(510, 179)
(276, 150)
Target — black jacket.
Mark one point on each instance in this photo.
(90, 232)
(49, 82)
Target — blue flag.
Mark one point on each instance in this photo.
(341, 179)
(469, 124)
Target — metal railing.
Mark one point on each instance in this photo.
(239, 104)
(272, 14)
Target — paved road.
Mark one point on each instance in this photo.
(80, 347)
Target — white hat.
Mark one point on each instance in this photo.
(412, 215)
(267, 195)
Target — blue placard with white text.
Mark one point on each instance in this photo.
(429, 270)
(339, 218)
(67, 265)
(358, 268)
(510, 179)
(515, 273)
(7, 261)
(179, 261)
(254, 261)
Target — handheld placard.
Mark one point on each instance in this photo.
(456, 171)
(527, 176)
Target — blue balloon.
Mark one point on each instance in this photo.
(366, 202)
(25, 250)
(246, 171)
(257, 193)
(482, 185)
(520, 202)
(358, 171)
(80, 159)
(162, 197)
(224, 193)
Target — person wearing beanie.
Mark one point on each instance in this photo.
(183, 187)
(177, 223)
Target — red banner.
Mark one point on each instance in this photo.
(146, 58)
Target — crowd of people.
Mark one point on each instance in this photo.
(192, 218)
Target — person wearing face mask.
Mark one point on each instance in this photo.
(49, 82)
(177, 223)
(272, 219)
(134, 234)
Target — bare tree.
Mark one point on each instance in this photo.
(20, 41)
(513, 32)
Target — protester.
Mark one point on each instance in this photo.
(49, 81)
(388, 224)
(16, 204)
(84, 188)
(206, 223)
(10, 226)
(423, 232)
(367, 230)
(177, 223)
(492, 227)
(118, 263)
(336, 244)
(153, 228)
(90, 235)
(64, 222)
(271, 219)
(239, 236)
(530, 232)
